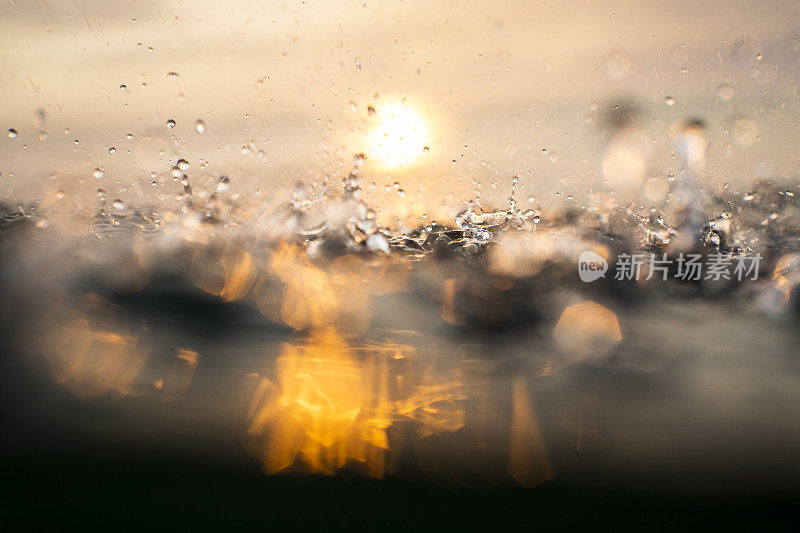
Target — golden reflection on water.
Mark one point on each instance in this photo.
(586, 331)
(230, 276)
(327, 407)
(332, 404)
(91, 355)
(528, 460)
(339, 392)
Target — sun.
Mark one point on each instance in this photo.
(399, 138)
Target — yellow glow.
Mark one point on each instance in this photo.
(399, 138)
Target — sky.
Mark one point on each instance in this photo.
(448, 99)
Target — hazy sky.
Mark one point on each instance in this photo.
(500, 87)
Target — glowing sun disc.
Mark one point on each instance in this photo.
(399, 138)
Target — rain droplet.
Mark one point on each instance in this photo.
(112, 150)
(200, 127)
(725, 92)
(669, 100)
(745, 132)
(172, 75)
(118, 204)
(123, 88)
(170, 123)
(223, 183)
(42, 135)
(12, 133)
(183, 164)
(371, 111)
(617, 66)
(99, 173)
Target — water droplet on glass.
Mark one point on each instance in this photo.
(725, 93)
(42, 135)
(112, 150)
(170, 123)
(172, 75)
(99, 173)
(745, 132)
(669, 100)
(371, 111)
(183, 164)
(12, 133)
(200, 127)
(123, 88)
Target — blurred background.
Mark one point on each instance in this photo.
(280, 262)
